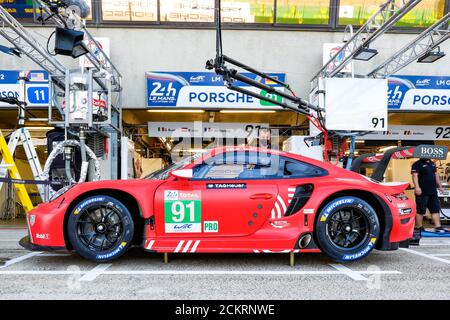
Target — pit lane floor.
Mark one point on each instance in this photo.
(415, 273)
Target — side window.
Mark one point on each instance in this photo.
(298, 169)
(225, 171)
(237, 165)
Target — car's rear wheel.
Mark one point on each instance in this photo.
(100, 228)
(347, 229)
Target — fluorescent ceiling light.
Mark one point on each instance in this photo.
(356, 141)
(247, 111)
(176, 111)
(365, 54)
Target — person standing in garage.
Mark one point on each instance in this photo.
(426, 182)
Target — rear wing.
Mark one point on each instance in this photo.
(420, 151)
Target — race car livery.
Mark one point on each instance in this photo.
(231, 199)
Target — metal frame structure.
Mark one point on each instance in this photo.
(106, 76)
(388, 14)
(103, 79)
(25, 43)
(424, 43)
(100, 59)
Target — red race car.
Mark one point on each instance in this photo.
(232, 199)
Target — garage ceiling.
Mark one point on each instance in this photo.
(285, 118)
(8, 118)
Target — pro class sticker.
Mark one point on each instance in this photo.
(182, 211)
(210, 226)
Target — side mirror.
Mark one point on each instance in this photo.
(182, 174)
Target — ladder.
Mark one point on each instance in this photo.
(24, 136)
(22, 193)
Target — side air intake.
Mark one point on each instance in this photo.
(301, 196)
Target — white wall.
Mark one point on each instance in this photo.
(296, 53)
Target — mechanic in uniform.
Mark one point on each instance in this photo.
(426, 182)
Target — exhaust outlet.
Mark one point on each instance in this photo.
(304, 241)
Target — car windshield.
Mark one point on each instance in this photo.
(163, 174)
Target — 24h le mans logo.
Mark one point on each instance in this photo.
(182, 211)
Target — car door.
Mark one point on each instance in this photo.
(228, 196)
(296, 182)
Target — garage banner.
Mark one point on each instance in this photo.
(204, 90)
(411, 133)
(198, 129)
(419, 93)
(37, 89)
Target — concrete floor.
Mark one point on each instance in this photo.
(416, 273)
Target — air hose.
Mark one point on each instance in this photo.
(59, 149)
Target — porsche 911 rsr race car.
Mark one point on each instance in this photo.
(232, 199)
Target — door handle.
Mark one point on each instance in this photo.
(265, 196)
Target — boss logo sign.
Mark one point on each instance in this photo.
(431, 152)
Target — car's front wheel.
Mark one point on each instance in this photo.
(347, 229)
(100, 228)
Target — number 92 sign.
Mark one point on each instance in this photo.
(182, 211)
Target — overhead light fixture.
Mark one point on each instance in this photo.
(431, 56)
(69, 43)
(10, 51)
(247, 111)
(365, 54)
(176, 111)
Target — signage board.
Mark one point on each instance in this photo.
(431, 152)
(356, 104)
(104, 44)
(204, 90)
(329, 51)
(19, 9)
(37, 88)
(405, 132)
(200, 129)
(419, 93)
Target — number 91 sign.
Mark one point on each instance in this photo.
(182, 211)
(354, 104)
